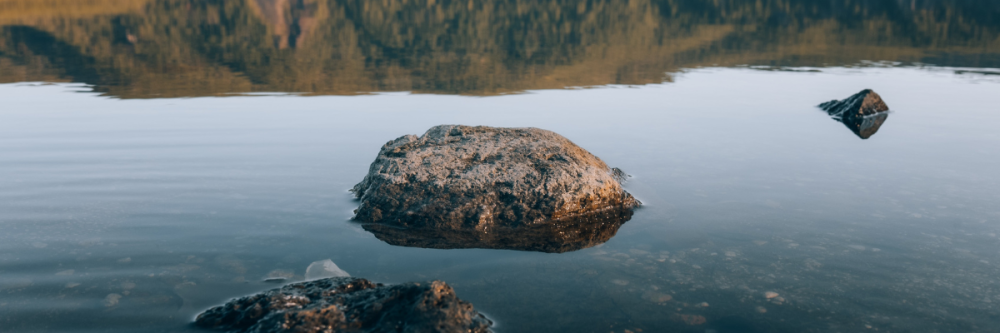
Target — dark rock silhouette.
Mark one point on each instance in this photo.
(864, 103)
(482, 184)
(345, 304)
(863, 113)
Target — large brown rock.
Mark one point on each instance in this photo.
(345, 304)
(487, 180)
(863, 113)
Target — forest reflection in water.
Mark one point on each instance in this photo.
(179, 48)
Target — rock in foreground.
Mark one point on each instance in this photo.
(348, 305)
(486, 178)
(863, 113)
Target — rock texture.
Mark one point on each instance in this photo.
(461, 177)
(863, 113)
(348, 305)
(864, 103)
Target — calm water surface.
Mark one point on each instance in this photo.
(133, 195)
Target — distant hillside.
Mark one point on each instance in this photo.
(14, 12)
(173, 48)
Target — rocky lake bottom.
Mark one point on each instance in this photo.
(760, 212)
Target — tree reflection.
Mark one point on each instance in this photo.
(172, 48)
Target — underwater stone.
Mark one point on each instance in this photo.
(324, 269)
(487, 180)
(112, 300)
(279, 275)
(344, 304)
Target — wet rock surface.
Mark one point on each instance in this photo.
(863, 113)
(344, 304)
(864, 103)
(489, 182)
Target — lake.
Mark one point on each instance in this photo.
(158, 158)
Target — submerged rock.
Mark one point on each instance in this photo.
(863, 113)
(279, 275)
(345, 304)
(481, 184)
(112, 300)
(324, 269)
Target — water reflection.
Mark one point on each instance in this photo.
(173, 48)
(865, 127)
(568, 235)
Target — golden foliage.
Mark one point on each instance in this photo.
(171, 48)
(36, 11)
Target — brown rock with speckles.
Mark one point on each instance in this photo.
(487, 180)
(352, 305)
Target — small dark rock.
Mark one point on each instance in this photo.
(864, 103)
(863, 113)
(348, 305)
